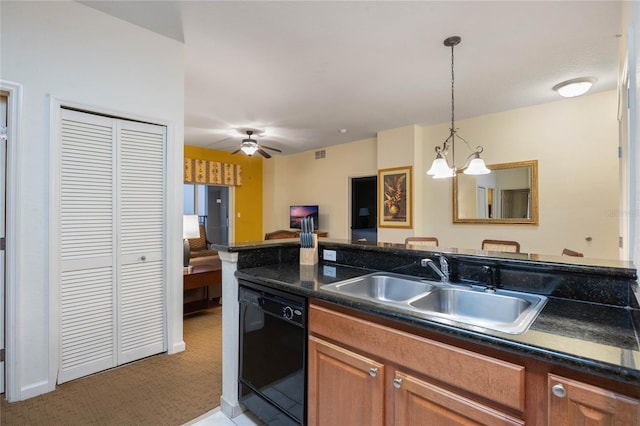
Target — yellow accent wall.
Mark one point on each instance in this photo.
(248, 196)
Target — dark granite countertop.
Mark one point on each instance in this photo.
(574, 263)
(596, 338)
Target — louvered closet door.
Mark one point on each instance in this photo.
(86, 244)
(111, 234)
(141, 325)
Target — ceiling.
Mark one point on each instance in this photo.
(299, 71)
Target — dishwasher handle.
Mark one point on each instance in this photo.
(249, 297)
(274, 305)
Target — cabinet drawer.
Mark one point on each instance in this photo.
(496, 380)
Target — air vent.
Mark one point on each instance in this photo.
(321, 154)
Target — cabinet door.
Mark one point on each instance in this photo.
(86, 244)
(421, 403)
(344, 388)
(575, 403)
(141, 196)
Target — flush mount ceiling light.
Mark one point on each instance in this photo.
(574, 87)
(441, 167)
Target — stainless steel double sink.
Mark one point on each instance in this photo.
(500, 310)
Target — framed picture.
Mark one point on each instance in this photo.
(395, 199)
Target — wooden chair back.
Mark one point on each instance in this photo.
(421, 241)
(567, 252)
(281, 233)
(501, 245)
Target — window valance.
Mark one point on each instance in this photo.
(212, 172)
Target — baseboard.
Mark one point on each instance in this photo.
(35, 389)
(177, 347)
(230, 410)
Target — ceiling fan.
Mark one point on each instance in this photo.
(250, 146)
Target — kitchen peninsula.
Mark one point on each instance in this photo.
(581, 350)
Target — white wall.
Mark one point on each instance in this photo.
(575, 142)
(301, 179)
(75, 53)
(569, 138)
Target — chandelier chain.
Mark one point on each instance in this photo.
(452, 89)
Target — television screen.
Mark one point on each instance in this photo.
(298, 212)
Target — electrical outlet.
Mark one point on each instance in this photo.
(329, 271)
(329, 255)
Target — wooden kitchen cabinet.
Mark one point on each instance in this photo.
(421, 380)
(418, 402)
(361, 372)
(571, 402)
(344, 387)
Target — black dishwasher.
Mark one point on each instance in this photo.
(273, 353)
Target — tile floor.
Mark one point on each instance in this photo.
(216, 418)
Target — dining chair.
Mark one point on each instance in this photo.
(501, 245)
(421, 241)
(567, 252)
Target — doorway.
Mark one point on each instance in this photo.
(516, 203)
(9, 307)
(217, 222)
(364, 201)
(212, 205)
(4, 115)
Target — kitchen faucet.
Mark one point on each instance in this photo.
(443, 271)
(490, 277)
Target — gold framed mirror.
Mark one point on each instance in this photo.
(507, 195)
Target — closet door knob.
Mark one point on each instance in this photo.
(373, 371)
(143, 258)
(397, 383)
(559, 390)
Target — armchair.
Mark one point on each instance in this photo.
(200, 247)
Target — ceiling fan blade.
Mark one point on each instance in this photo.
(235, 152)
(264, 153)
(268, 147)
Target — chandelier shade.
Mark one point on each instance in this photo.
(249, 148)
(476, 166)
(440, 168)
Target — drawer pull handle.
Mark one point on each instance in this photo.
(559, 391)
(397, 383)
(373, 371)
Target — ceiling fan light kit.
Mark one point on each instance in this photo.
(250, 146)
(441, 167)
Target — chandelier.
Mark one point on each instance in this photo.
(441, 167)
